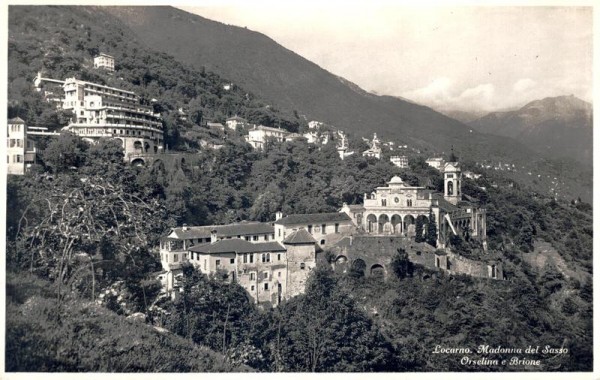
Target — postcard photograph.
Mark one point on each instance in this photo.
(298, 188)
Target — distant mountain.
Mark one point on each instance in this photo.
(557, 127)
(258, 64)
(155, 46)
(463, 116)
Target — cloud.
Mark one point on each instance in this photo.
(442, 93)
(523, 85)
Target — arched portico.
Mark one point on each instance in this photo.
(383, 224)
(371, 223)
(397, 224)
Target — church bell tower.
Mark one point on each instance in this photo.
(452, 182)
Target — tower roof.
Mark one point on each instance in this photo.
(451, 166)
(396, 181)
(300, 237)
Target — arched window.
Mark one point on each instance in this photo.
(450, 188)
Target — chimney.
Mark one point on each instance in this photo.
(278, 215)
(184, 227)
(213, 236)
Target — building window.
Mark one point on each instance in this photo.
(266, 237)
(278, 274)
(255, 238)
(251, 257)
(175, 258)
(337, 228)
(251, 276)
(272, 236)
(279, 232)
(252, 287)
(266, 286)
(384, 202)
(247, 238)
(218, 262)
(302, 266)
(323, 226)
(231, 261)
(310, 228)
(409, 202)
(245, 258)
(265, 275)
(279, 257)
(322, 241)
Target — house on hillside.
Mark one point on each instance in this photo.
(325, 228)
(435, 162)
(217, 126)
(104, 61)
(21, 145)
(270, 269)
(375, 150)
(259, 135)
(400, 161)
(236, 121)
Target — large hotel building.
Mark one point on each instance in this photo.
(102, 111)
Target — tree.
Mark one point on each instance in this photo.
(66, 151)
(325, 331)
(419, 230)
(401, 265)
(431, 235)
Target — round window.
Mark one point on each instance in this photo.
(396, 200)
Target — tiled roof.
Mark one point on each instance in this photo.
(313, 218)
(244, 228)
(356, 207)
(237, 246)
(237, 118)
(16, 120)
(444, 204)
(265, 128)
(300, 236)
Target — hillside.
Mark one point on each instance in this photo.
(84, 337)
(288, 81)
(62, 41)
(557, 127)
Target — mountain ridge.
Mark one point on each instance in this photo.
(558, 126)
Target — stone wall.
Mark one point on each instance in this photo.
(377, 250)
(297, 273)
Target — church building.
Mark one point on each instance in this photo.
(394, 209)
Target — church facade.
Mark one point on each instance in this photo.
(394, 210)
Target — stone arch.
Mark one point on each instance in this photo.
(382, 221)
(341, 259)
(397, 224)
(120, 142)
(340, 265)
(359, 266)
(138, 147)
(138, 162)
(371, 223)
(377, 270)
(409, 224)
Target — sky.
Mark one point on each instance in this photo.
(450, 58)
